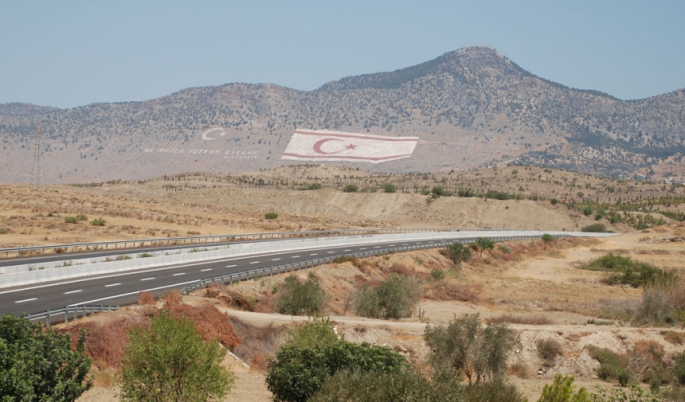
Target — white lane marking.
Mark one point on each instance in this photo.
(205, 270)
(26, 300)
(314, 254)
(275, 259)
(331, 252)
(377, 247)
(295, 256)
(179, 274)
(73, 291)
(254, 262)
(347, 250)
(147, 279)
(363, 248)
(131, 293)
(112, 284)
(392, 245)
(231, 266)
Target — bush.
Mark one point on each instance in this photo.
(554, 201)
(298, 298)
(394, 298)
(496, 390)
(315, 186)
(595, 228)
(38, 364)
(679, 368)
(404, 385)
(587, 211)
(98, 222)
(350, 188)
(548, 238)
(70, 219)
(389, 188)
(171, 361)
(298, 372)
(625, 271)
(548, 350)
(466, 346)
(612, 366)
(458, 252)
(438, 274)
(270, 215)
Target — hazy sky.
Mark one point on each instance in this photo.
(71, 53)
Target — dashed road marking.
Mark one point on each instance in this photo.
(112, 284)
(147, 279)
(26, 300)
(180, 273)
(205, 270)
(73, 291)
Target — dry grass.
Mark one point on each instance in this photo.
(259, 343)
(453, 291)
(676, 338)
(520, 319)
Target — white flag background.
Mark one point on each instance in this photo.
(324, 145)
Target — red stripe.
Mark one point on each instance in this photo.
(347, 157)
(364, 137)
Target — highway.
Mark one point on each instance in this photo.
(123, 288)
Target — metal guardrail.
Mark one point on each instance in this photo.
(283, 268)
(63, 314)
(170, 241)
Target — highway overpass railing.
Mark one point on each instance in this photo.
(226, 238)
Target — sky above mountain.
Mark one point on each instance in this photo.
(72, 53)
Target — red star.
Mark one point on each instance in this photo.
(351, 146)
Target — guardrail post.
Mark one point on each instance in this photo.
(48, 316)
(66, 314)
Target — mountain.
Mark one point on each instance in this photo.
(470, 108)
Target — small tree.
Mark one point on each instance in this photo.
(458, 252)
(484, 243)
(465, 346)
(297, 298)
(561, 390)
(38, 364)
(389, 188)
(171, 362)
(394, 298)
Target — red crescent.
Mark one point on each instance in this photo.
(319, 144)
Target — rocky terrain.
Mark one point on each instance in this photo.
(470, 108)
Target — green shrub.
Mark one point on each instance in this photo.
(389, 188)
(554, 201)
(70, 219)
(594, 228)
(458, 252)
(612, 366)
(81, 217)
(270, 215)
(395, 297)
(438, 274)
(625, 271)
(315, 186)
(587, 211)
(98, 222)
(297, 373)
(679, 368)
(484, 243)
(350, 188)
(298, 298)
(504, 249)
(145, 255)
(548, 238)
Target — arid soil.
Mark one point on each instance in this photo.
(537, 287)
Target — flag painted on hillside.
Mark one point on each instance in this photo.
(324, 145)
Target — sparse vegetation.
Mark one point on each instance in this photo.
(484, 243)
(548, 238)
(548, 350)
(350, 188)
(595, 228)
(98, 222)
(270, 215)
(625, 271)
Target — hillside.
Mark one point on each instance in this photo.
(470, 108)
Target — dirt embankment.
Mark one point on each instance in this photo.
(537, 287)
